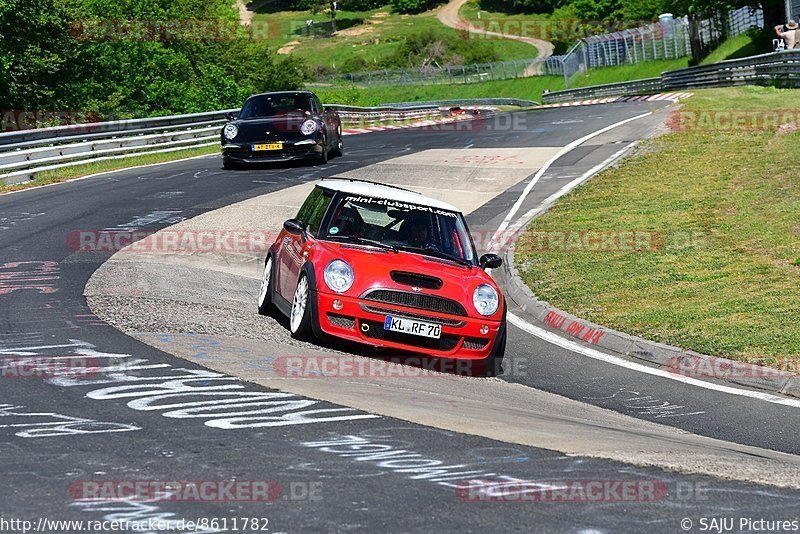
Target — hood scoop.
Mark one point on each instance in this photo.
(416, 280)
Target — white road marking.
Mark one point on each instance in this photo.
(572, 346)
(107, 172)
(595, 354)
(518, 204)
(546, 203)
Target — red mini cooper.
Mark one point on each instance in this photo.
(387, 267)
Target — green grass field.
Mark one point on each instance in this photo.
(524, 88)
(527, 88)
(724, 278)
(361, 35)
(648, 69)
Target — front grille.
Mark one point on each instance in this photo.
(474, 343)
(445, 343)
(416, 300)
(415, 279)
(342, 321)
(456, 323)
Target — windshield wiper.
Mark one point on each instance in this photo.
(430, 251)
(365, 241)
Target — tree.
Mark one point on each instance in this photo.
(320, 6)
(696, 10)
(34, 53)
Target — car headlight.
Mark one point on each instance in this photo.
(339, 276)
(308, 127)
(485, 299)
(230, 131)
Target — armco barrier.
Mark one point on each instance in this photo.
(636, 87)
(25, 153)
(781, 69)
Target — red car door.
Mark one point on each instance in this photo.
(294, 249)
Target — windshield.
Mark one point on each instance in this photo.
(271, 105)
(401, 226)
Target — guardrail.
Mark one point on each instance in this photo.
(781, 69)
(635, 87)
(26, 153)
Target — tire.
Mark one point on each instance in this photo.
(227, 164)
(339, 150)
(323, 158)
(300, 326)
(493, 364)
(267, 289)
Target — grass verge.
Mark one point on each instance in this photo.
(525, 88)
(747, 44)
(70, 173)
(626, 73)
(720, 207)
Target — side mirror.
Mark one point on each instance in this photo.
(293, 226)
(491, 261)
(230, 116)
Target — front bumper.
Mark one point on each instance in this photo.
(361, 321)
(243, 152)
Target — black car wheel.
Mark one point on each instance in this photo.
(229, 164)
(339, 150)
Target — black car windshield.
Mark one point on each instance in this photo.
(260, 106)
(401, 226)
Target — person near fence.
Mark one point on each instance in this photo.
(790, 34)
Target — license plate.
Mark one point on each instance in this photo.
(410, 326)
(268, 146)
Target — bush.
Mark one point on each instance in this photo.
(414, 6)
(438, 49)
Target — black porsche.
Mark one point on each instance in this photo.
(281, 126)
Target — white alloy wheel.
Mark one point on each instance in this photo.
(299, 304)
(262, 293)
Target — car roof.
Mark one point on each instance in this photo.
(282, 93)
(384, 191)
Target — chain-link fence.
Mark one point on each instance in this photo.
(668, 39)
(503, 70)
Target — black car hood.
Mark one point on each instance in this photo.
(281, 127)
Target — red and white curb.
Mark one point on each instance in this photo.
(669, 97)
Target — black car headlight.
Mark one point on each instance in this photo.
(230, 131)
(309, 127)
